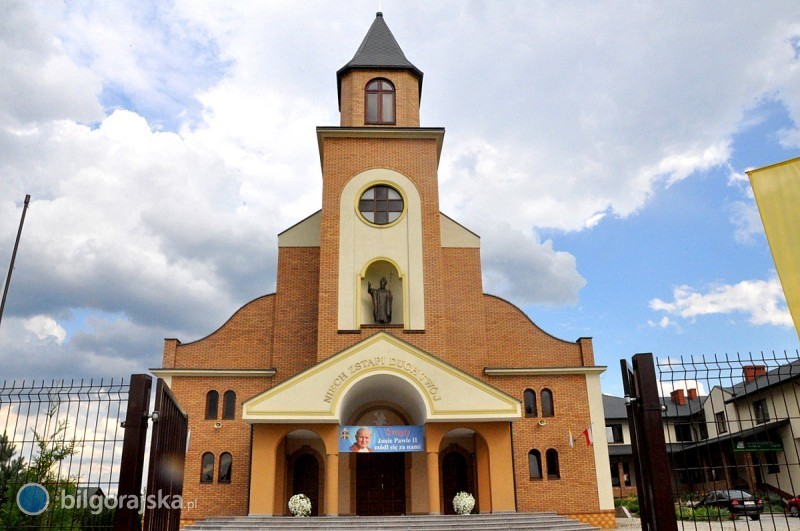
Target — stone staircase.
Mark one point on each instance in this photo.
(536, 521)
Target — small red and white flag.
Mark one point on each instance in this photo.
(587, 433)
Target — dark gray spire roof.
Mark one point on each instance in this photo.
(379, 50)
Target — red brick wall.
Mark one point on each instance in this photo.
(216, 499)
(296, 311)
(464, 333)
(576, 464)
(518, 342)
(244, 342)
(406, 88)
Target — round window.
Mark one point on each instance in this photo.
(381, 204)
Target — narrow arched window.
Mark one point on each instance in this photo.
(225, 463)
(553, 472)
(535, 464)
(379, 102)
(228, 405)
(547, 403)
(207, 468)
(212, 404)
(530, 403)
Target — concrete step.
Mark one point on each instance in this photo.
(533, 521)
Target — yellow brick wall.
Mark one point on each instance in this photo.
(216, 499)
(296, 311)
(576, 464)
(406, 87)
(243, 342)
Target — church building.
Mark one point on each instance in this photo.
(379, 378)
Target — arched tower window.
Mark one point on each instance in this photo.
(229, 405)
(225, 462)
(207, 468)
(553, 472)
(212, 405)
(535, 464)
(379, 102)
(530, 403)
(547, 403)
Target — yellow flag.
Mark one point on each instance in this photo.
(777, 192)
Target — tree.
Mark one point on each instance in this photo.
(13, 474)
(51, 447)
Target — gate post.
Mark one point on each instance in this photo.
(653, 486)
(132, 463)
(167, 456)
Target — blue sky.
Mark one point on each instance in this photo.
(598, 148)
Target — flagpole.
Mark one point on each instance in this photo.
(14, 256)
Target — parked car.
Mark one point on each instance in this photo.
(738, 502)
(793, 506)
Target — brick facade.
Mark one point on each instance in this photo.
(296, 328)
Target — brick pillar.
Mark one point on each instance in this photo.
(433, 483)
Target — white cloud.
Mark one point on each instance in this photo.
(664, 322)
(762, 301)
(667, 387)
(35, 66)
(45, 327)
(527, 271)
(164, 209)
(745, 220)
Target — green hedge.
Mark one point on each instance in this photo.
(702, 514)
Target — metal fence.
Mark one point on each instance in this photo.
(65, 437)
(732, 423)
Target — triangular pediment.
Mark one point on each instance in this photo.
(443, 391)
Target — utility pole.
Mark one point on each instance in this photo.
(14, 255)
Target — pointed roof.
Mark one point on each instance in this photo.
(379, 50)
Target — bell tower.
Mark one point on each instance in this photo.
(379, 87)
(380, 208)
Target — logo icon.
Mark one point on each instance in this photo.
(33, 499)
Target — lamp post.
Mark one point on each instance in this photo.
(14, 255)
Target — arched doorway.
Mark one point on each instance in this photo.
(380, 484)
(454, 478)
(457, 476)
(305, 470)
(381, 488)
(457, 467)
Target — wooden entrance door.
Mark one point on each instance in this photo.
(380, 484)
(305, 480)
(455, 478)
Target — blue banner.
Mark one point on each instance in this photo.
(381, 439)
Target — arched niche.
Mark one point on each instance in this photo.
(398, 394)
(371, 278)
(362, 243)
(301, 458)
(464, 465)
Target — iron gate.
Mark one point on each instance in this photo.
(167, 454)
